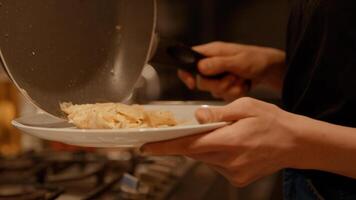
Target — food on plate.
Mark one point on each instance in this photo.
(116, 116)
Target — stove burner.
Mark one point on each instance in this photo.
(102, 189)
(89, 176)
(28, 192)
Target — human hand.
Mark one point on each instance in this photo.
(259, 142)
(243, 62)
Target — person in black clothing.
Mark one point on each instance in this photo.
(313, 137)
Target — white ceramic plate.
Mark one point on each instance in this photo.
(49, 128)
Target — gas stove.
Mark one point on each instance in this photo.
(116, 175)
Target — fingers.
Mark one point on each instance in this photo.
(235, 178)
(218, 65)
(241, 108)
(217, 140)
(215, 85)
(229, 88)
(232, 177)
(214, 158)
(182, 146)
(222, 57)
(187, 79)
(235, 91)
(221, 170)
(218, 49)
(232, 94)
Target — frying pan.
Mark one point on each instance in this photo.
(82, 51)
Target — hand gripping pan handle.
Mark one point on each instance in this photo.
(180, 56)
(188, 59)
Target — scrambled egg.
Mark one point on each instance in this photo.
(116, 116)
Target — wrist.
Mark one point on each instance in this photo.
(276, 68)
(293, 139)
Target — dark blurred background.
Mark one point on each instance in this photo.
(193, 22)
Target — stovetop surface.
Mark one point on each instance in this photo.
(117, 175)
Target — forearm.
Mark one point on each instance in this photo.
(326, 147)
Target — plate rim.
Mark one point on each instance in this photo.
(118, 131)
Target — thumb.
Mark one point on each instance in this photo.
(230, 113)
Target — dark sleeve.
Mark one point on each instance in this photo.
(331, 94)
(341, 49)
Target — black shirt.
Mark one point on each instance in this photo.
(321, 76)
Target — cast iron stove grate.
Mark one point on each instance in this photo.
(87, 175)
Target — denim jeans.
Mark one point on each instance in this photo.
(298, 187)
